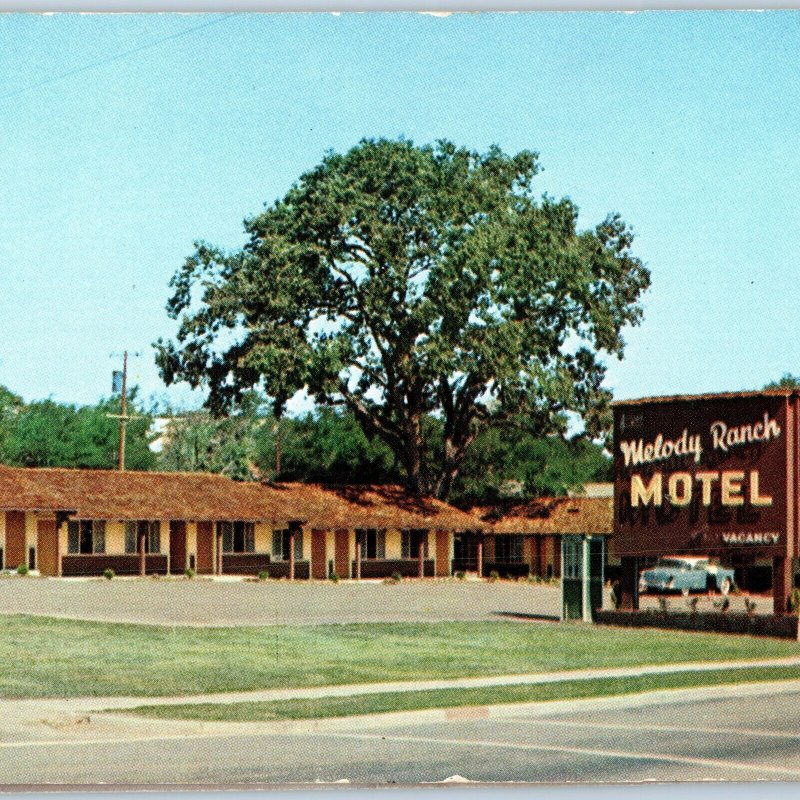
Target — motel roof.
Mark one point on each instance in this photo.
(112, 494)
(374, 506)
(551, 515)
(22, 490)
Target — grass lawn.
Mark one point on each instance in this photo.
(451, 698)
(42, 657)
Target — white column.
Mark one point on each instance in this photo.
(585, 586)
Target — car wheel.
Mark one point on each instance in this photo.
(726, 586)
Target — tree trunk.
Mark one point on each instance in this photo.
(444, 485)
(454, 453)
(412, 461)
(412, 458)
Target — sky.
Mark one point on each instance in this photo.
(126, 138)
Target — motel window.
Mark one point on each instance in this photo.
(237, 537)
(373, 543)
(508, 549)
(151, 529)
(411, 541)
(280, 545)
(86, 536)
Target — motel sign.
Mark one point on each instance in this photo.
(715, 475)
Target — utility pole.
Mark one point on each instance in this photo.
(123, 417)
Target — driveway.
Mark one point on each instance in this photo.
(226, 602)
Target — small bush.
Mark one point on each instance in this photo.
(663, 605)
(108, 574)
(263, 575)
(749, 606)
(794, 600)
(397, 577)
(460, 575)
(692, 603)
(189, 573)
(723, 605)
(22, 569)
(494, 575)
(334, 578)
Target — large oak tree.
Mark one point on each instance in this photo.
(404, 281)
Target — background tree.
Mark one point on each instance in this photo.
(513, 462)
(10, 406)
(786, 381)
(45, 433)
(199, 442)
(404, 282)
(326, 447)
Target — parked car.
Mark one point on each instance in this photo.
(686, 574)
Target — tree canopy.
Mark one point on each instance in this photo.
(786, 381)
(45, 433)
(406, 283)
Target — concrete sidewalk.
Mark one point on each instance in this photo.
(58, 721)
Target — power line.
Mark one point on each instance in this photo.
(109, 59)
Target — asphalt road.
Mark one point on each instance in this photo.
(730, 733)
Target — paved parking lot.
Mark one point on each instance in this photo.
(207, 602)
(236, 602)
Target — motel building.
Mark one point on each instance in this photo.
(713, 475)
(77, 522)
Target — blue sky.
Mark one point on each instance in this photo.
(685, 123)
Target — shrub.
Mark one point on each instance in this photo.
(108, 574)
(189, 572)
(334, 578)
(749, 606)
(22, 569)
(460, 575)
(494, 575)
(723, 605)
(263, 575)
(663, 605)
(692, 603)
(397, 577)
(794, 600)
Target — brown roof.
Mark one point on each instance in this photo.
(21, 490)
(110, 494)
(551, 515)
(777, 392)
(372, 506)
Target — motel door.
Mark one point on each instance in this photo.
(582, 574)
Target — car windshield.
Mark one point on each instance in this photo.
(671, 563)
